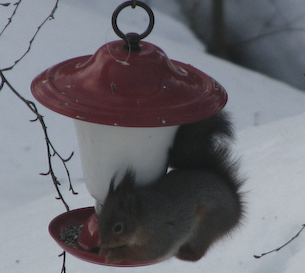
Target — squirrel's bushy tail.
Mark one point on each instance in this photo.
(200, 144)
(206, 145)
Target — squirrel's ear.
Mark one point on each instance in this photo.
(129, 179)
(111, 186)
(128, 182)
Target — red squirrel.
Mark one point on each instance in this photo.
(185, 211)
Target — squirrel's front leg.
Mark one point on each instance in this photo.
(114, 256)
(132, 254)
(118, 255)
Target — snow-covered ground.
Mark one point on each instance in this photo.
(269, 118)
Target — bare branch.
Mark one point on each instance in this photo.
(279, 248)
(262, 36)
(287, 26)
(51, 151)
(63, 269)
(65, 166)
(49, 17)
(11, 18)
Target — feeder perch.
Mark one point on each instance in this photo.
(127, 101)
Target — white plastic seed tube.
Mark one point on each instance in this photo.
(106, 151)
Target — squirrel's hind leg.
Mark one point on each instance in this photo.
(211, 227)
(187, 253)
(194, 248)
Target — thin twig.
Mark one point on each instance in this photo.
(49, 17)
(51, 151)
(13, 14)
(262, 36)
(63, 269)
(279, 248)
(5, 4)
(65, 166)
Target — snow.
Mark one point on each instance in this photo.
(269, 117)
(264, 35)
(281, 26)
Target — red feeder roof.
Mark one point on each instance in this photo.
(131, 89)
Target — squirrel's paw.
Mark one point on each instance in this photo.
(113, 257)
(103, 251)
(186, 253)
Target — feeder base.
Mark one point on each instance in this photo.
(82, 217)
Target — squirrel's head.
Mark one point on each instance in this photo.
(120, 215)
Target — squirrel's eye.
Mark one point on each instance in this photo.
(117, 228)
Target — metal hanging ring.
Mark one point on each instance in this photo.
(133, 3)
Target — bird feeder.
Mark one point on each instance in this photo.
(127, 101)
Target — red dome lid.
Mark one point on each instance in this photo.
(131, 89)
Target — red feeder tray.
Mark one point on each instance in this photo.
(80, 217)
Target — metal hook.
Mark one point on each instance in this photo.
(134, 3)
(133, 39)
